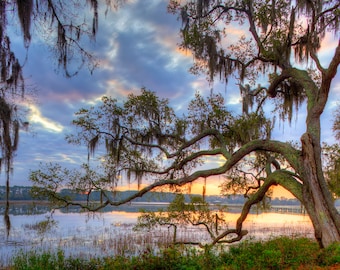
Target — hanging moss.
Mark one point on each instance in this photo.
(25, 8)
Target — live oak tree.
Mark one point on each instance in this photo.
(282, 42)
(145, 139)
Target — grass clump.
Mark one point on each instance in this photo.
(330, 255)
(280, 253)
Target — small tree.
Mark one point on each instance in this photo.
(197, 212)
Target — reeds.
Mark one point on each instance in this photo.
(109, 235)
(122, 240)
(279, 253)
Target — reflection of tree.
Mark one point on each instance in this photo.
(9, 137)
(181, 214)
(42, 227)
(24, 209)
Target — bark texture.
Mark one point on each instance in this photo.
(323, 214)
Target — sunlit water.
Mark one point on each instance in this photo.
(111, 233)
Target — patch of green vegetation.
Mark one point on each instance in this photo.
(279, 253)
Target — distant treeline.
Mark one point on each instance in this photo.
(18, 193)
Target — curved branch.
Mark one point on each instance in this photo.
(327, 78)
(216, 7)
(284, 149)
(255, 198)
(238, 237)
(186, 144)
(273, 86)
(315, 58)
(288, 181)
(332, 69)
(252, 27)
(205, 225)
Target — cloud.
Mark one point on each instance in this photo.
(136, 46)
(36, 117)
(328, 45)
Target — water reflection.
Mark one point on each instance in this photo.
(33, 208)
(7, 219)
(111, 232)
(28, 208)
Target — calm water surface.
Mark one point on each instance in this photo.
(111, 232)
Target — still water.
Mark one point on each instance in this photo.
(111, 232)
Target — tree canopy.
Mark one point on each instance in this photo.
(144, 138)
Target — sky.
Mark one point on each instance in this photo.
(137, 46)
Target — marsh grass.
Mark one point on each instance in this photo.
(110, 239)
(279, 253)
(122, 240)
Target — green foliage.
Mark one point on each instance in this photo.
(332, 167)
(330, 255)
(143, 137)
(336, 124)
(281, 253)
(34, 260)
(211, 113)
(42, 227)
(275, 32)
(50, 178)
(197, 212)
(130, 134)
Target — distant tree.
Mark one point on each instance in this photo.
(144, 138)
(179, 213)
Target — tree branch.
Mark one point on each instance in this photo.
(284, 149)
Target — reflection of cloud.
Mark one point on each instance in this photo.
(36, 117)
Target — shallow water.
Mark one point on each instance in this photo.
(110, 233)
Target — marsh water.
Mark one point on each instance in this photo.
(36, 227)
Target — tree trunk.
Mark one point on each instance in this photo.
(317, 198)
